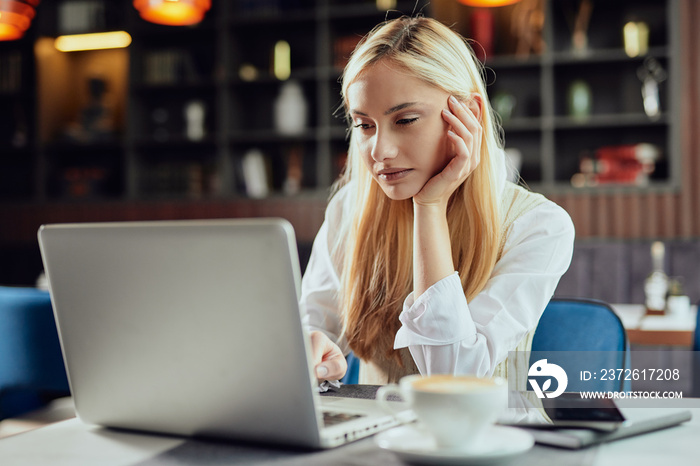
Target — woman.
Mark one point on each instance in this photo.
(428, 259)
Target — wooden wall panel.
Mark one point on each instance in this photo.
(306, 214)
(635, 217)
(621, 216)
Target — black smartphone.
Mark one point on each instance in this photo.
(571, 410)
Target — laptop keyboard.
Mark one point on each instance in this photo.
(331, 418)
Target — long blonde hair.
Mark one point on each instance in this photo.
(374, 243)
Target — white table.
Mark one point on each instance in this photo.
(72, 443)
(665, 330)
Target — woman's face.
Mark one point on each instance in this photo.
(399, 129)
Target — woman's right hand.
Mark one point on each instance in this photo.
(465, 135)
(328, 359)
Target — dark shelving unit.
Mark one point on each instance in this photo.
(149, 156)
(551, 141)
(17, 131)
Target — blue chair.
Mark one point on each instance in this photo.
(696, 336)
(583, 334)
(696, 357)
(352, 376)
(32, 372)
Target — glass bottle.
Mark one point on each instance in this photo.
(656, 284)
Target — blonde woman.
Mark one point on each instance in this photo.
(428, 259)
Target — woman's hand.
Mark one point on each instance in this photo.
(328, 359)
(432, 250)
(465, 135)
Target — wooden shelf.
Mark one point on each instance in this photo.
(165, 88)
(268, 136)
(347, 11)
(176, 142)
(602, 56)
(300, 74)
(113, 145)
(608, 121)
(513, 61)
(273, 17)
(523, 124)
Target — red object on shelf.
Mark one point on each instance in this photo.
(482, 33)
(625, 164)
(343, 48)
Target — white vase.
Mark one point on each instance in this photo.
(194, 113)
(290, 109)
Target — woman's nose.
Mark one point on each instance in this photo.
(384, 147)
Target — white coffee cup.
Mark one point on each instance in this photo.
(455, 410)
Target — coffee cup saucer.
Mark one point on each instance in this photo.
(413, 444)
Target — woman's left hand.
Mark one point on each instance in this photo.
(465, 134)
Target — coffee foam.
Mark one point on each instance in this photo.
(452, 384)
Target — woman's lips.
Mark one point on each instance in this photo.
(393, 174)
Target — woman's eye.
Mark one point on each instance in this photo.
(406, 121)
(362, 126)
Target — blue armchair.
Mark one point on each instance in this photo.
(31, 363)
(581, 334)
(352, 376)
(696, 357)
(696, 335)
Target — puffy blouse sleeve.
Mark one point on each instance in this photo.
(446, 334)
(321, 284)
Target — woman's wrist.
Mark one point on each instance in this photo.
(432, 252)
(430, 210)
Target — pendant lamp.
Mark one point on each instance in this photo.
(15, 17)
(488, 3)
(172, 12)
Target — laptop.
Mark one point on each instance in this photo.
(192, 328)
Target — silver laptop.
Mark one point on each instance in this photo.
(192, 328)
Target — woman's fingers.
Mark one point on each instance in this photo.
(462, 121)
(465, 135)
(460, 162)
(465, 129)
(465, 117)
(329, 362)
(333, 368)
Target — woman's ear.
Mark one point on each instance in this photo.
(476, 104)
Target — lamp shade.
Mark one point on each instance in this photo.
(173, 12)
(15, 17)
(488, 2)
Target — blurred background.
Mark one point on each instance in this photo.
(236, 115)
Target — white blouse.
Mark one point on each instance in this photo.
(445, 333)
